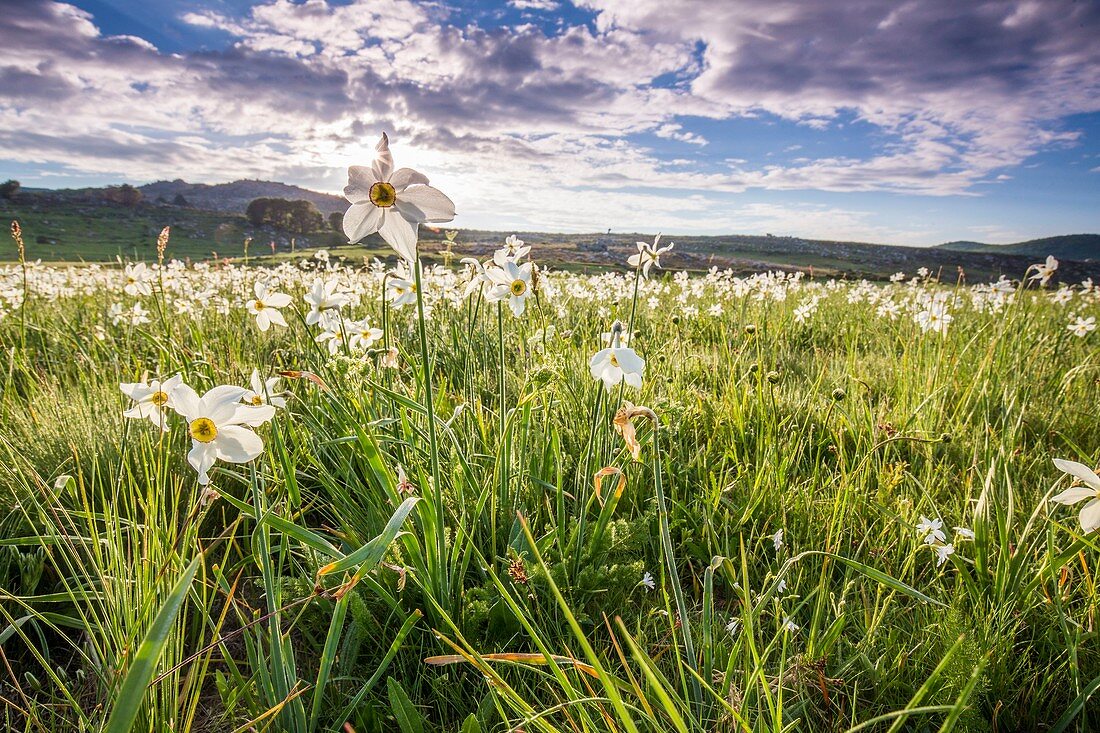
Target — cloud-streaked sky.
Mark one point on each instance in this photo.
(907, 121)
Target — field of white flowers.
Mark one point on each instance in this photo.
(496, 497)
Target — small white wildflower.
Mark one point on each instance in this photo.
(1082, 326)
(930, 530)
(964, 532)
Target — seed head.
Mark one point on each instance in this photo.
(17, 235)
(517, 571)
(162, 243)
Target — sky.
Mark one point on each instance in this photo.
(901, 121)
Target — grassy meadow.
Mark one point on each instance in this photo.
(833, 513)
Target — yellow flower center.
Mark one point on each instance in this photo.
(614, 360)
(383, 194)
(258, 305)
(203, 429)
(257, 400)
(518, 288)
(159, 398)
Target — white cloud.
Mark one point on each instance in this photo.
(536, 125)
(673, 131)
(547, 5)
(984, 83)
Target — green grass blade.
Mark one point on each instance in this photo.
(132, 692)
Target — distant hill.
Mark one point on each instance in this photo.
(746, 253)
(1080, 247)
(94, 224)
(235, 196)
(73, 225)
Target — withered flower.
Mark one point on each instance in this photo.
(624, 426)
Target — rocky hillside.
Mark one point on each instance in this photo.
(235, 196)
(1081, 247)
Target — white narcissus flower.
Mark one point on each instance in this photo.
(139, 279)
(513, 249)
(136, 316)
(1062, 295)
(1090, 513)
(1082, 326)
(649, 255)
(333, 332)
(151, 400)
(392, 203)
(934, 319)
(264, 307)
(322, 297)
(648, 581)
(943, 552)
(361, 335)
(263, 391)
(777, 540)
(479, 280)
(510, 281)
(219, 426)
(617, 364)
(400, 289)
(1044, 271)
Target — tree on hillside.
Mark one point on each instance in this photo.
(257, 211)
(305, 218)
(9, 188)
(301, 217)
(124, 195)
(336, 221)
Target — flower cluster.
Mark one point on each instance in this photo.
(220, 423)
(931, 533)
